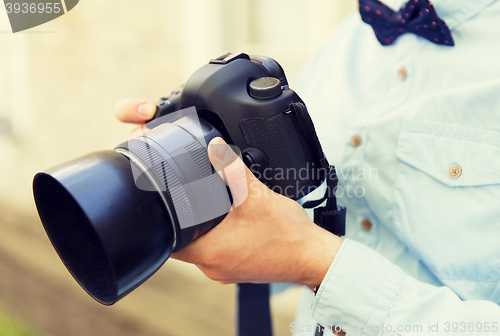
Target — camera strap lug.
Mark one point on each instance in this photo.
(330, 217)
(331, 220)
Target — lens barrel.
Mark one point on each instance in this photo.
(174, 157)
(114, 217)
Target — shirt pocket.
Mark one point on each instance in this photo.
(450, 219)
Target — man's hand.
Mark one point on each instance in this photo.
(266, 237)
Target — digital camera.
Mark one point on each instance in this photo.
(115, 216)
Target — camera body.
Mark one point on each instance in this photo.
(248, 100)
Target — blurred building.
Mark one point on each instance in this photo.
(59, 83)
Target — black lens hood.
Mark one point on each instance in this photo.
(110, 235)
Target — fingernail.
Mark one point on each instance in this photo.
(222, 151)
(147, 110)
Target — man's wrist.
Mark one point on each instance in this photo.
(318, 258)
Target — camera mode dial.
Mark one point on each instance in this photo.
(265, 88)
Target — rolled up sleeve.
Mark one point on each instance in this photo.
(365, 294)
(360, 288)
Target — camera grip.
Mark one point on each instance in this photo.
(289, 154)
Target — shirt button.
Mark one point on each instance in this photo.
(455, 171)
(356, 140)
(366, 225)
(337, 330)
(402, 74)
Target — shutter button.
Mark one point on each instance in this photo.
(265, 88)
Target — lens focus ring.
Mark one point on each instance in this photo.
(166, 179)
(173, 161)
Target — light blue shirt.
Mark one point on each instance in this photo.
(422, 187)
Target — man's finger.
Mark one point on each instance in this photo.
(137, 111)
(232, 169)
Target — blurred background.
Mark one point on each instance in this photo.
(59, 83)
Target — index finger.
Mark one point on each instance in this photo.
(136, 111)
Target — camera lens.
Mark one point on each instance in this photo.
(114, 217)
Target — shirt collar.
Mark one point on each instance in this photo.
(453, 12)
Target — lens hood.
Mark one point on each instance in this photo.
(110, 235)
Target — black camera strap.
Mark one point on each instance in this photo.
(331, 217)
(252, 310)
(253, 314)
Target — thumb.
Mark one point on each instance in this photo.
(231, 169)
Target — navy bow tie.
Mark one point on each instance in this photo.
(417, 16)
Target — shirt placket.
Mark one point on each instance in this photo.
(363, 219)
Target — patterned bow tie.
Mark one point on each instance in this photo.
(417, 16)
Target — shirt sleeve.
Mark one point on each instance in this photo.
(365, 294)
